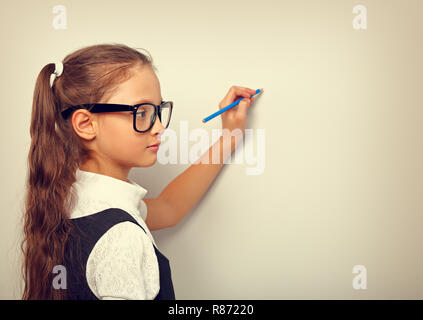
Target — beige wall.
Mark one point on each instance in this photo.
(342, 113)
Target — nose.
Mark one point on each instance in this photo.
(157, 126)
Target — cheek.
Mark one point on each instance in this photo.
(123, 144)
(116, 137)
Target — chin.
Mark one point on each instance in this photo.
(145, 164)
(151, 161)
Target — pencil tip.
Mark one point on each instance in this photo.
(261, 90)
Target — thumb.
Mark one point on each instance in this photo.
(243, 105)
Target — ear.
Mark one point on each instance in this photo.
(85, 124)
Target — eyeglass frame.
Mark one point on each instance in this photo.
(112, 107)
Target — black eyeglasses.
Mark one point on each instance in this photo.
(144, 114)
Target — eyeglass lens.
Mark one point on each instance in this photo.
(145, 115)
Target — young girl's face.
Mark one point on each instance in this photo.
(117, 145)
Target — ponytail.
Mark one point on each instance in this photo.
(46, 226)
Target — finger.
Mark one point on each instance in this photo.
(249, 90)
(244, 91)
(243, 106)
(234, 93)
(242, 95)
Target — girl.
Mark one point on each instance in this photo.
(83, 216)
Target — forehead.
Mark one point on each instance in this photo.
(142, 86)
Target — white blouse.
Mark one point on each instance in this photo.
(123, 263)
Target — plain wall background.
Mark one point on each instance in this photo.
(342, 113)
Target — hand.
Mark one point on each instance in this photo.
(236, 117)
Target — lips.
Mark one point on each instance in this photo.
(154, 145)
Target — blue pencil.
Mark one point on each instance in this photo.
(233, 104)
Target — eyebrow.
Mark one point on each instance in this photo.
(146, 101)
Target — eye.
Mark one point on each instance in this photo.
(141, 114)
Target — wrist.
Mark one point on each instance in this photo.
(235, 137)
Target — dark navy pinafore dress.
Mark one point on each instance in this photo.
(87, 231)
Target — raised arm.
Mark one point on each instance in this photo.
(186, 190)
